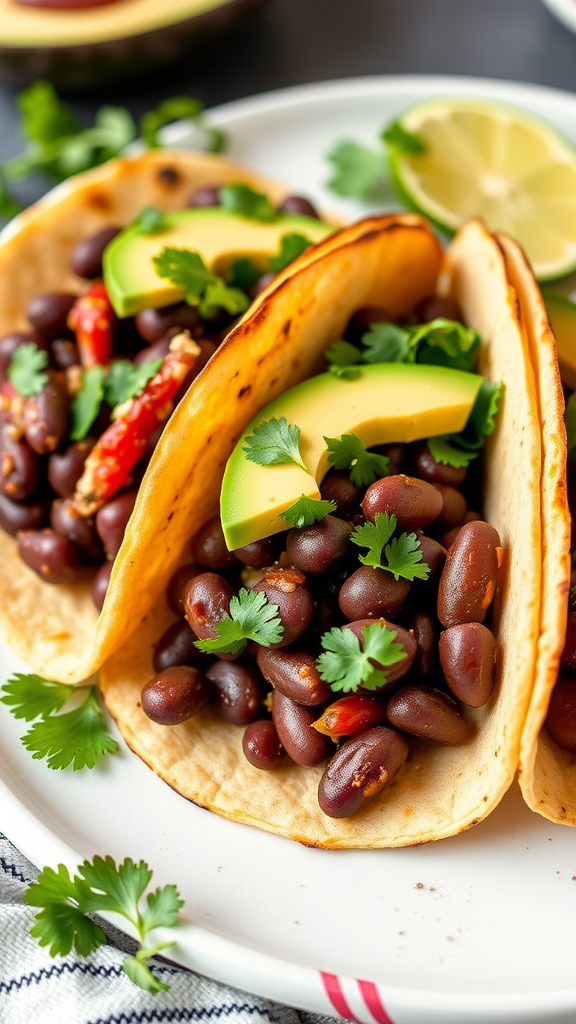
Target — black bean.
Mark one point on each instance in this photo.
(178, 585)
(176, 647)
(54, 558)
(436, 472)
(207, 195)
(372, 594)
(29, 515)
(153, 324)
(207, 601)
(47, 416)
(403, 637)
(298, 205)
(86, 256)
(337, 486)
(65, 519)
(320, 548)
(174, 695)
(429, 714)
(261, 745)
(434, 555)
(287, 589)
(414, 502)
(238, 689)
(295, 674)
(561, 717)
(66, 467)
(395, 453)
(304, 744)
(360, 770)
(209, 547)
(435, 306)
(260, 553)
(468, 660)
(448, 538)
(112, 520)
(425, 632)
(19, 467)
(158, 350)
(468, 580)
(48, 314)
(65, 353)
(453, 507)
(100, 584)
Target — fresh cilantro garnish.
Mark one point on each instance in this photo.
(459, 449)
(348, 452)
(243, 274)
(252, 617)
(444, 342)
(274, 442)
(76, 738)
(242, 199)
(358, 171)
(175, 109)
(402, 556)
(347, 666)
(149, 221)
(187, 270)
(8, 205)
(570, 421)
(445, 451)
(26, 371)
(125, 380)
(397, 137)
(292, 245)
(343, 359)
(85, 405)
(100, 886)
(385, 343)
(307, 511)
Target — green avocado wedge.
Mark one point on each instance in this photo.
(385, 402)
(219, 236)
(562, 315)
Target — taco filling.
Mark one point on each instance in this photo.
(361, 615)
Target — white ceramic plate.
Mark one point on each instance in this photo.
(473, 929)
(564, 10)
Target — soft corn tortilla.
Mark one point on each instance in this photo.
(57, 629)
(389, 262)
(547, 774)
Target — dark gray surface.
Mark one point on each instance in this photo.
(287, 42)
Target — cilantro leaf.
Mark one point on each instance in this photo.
(187, 270)
(397, 137)
(358, 171)
(348, 452)
(385, 343)
(26, 370)
(8, 205)
(292, 245)
(374, 536)
(243, 274)
(149, 221)
(100, 886)
(274, 442)
(482, 419)
(44, 116)
(76, 738)
(125, 380)
(30, 696)
(443, 450)
(85, 405)
(404, 556)
(570, 421)
(347, 666)
(252, 617)
(219, 295)
(307, 511)
(343, 359)
(445, 342)
(240, 198)
(173, 109)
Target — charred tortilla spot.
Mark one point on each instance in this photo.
(286, 327)
(168, 176)
(245, 391)
(98, 200)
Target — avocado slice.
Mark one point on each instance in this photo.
(562, 315)
(386, 402)
(218, 235)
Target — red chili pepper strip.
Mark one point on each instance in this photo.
(117, 451)
(350, 715)
(92, 318)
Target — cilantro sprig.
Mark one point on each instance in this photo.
(441, 342)
(460, 449)
(100, 886)
(209, 292)
(26, 371)
(402, 556)
(306, 511)
(240, 198)
(252, 617)
(180, 108)
(348, 452)
(124, 381)
(149, 221)
(274, 442)
(74, 738)
(348, 665)
(361, 171)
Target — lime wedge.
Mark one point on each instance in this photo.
(493, 161)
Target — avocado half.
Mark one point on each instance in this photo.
(85, 47)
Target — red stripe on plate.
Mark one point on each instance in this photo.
(336, 996)
(372, 999)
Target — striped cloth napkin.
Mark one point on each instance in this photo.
(37, 989)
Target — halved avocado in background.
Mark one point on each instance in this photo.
(84, 47)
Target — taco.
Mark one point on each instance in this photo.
(70, 501)
(547, 770)
(382, 269)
